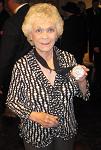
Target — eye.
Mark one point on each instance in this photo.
(50, 30)
(38, 30)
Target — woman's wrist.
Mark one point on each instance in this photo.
(32, 116)
(83, 86)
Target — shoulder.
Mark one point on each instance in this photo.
(21, 13)
(63, 54)
(24, 59)
(22, 65)
(10, 22)
(65, 58)
(5, 14)
(15, 21)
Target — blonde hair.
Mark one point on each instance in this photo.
(40, 11)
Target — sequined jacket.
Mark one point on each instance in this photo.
(30, 91)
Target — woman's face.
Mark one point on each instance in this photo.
(44, 35)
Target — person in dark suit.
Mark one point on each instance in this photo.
(13, 44)
(93, 13)
(4, 15)
(82, 7)
(94, 25)
(74, 38)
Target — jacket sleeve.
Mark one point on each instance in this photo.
(17, 101)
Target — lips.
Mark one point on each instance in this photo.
(45, 43)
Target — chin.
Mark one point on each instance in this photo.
(46, 49)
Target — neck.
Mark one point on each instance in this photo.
(46, 55)
(45, 58)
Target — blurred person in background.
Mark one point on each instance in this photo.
(13, 44)
(94, 26)
(4, 15)
(82, 7)
(74, 38)
(93, 14)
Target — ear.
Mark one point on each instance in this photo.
(30, 36)
(30, 39)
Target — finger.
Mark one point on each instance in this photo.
(50, 121)
(85, 68)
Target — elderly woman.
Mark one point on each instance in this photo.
(44, 83)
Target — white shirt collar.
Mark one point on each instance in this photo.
(19, 7)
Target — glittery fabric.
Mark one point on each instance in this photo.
(30, 90)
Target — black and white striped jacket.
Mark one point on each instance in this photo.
(30, 91)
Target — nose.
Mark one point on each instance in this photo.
(45, 35)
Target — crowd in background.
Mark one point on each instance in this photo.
(82, 33)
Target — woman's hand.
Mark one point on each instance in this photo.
(79, 72)
(46, 120)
